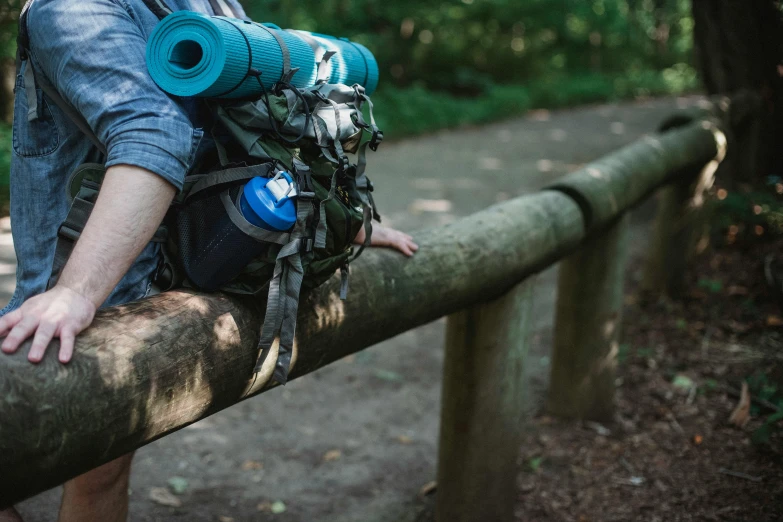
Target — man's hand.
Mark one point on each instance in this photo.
(60, 312)
(130, 206)
(388, 237)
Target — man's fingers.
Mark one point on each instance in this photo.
(9, 321)
(21, 331)
(43, 336)
(67, 340)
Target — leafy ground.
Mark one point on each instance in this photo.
(672, 452)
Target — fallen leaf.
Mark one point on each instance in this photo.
(774, 320)
(164, 497)
(682, 382)
(539, 115)
(178, 484)
(598, 428)
(223, 518)
(738, 327)
(404, 439)
(420, 206)
(490, 164)
(251, 465)
(332, 455)
(264, 506)
(428, 489)
(278, 507)
(617, 127)
(544, 165)
(737, 290)
(387, 375)
(741, 414)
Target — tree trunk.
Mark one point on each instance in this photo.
(739, 47)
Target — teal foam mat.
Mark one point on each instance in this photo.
(192, 54)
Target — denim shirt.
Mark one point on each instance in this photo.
(93, 52)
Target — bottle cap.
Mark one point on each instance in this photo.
(271, 200)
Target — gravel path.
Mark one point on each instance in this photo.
(356, 441)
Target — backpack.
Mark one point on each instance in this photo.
(298, 137)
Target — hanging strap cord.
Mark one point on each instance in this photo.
(376, 134)
(283, 300)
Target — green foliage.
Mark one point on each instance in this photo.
(466, 46)
(755, 215)
(772, 424)
(766, 388)
(463, 62)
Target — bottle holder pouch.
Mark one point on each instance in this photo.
(216, 242)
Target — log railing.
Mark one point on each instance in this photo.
(149, 368)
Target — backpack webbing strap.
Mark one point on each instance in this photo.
(232, 175)
(73, 226)
(158, 8)
(288, 73)
(321, 229)
(257, 233)
(70, 230)
(321, 75)
(221, 8)
(283, 300)
(364, 190)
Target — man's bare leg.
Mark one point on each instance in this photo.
(100, 494)
(10, 515)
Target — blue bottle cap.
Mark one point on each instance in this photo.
(271, 202)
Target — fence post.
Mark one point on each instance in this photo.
(672, 241)
(587, 325)
(482, 408)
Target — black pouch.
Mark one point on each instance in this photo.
(213, 249)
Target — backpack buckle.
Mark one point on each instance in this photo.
(343, 164)
(306, 245)
(377, 137)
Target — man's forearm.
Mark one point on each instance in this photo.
(130, 207)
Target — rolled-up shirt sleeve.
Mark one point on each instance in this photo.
(93, 52)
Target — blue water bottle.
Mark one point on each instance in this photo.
(269, 203)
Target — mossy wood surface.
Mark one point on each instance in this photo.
(615, 183)
(482, 407)
(587, 326)
(151, 367)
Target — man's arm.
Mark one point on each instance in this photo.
(131, 204)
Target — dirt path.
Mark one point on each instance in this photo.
(355, 441)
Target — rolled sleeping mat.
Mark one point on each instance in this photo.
(192, 54)
(352, 62)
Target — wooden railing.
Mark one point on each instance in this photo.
(149, 368)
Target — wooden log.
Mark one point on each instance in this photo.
(482, 404)
(608, 187)
(149, 368)
(587, 325)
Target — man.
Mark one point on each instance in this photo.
(93, 53)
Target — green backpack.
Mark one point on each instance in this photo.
(307, 134)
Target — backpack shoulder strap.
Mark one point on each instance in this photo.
(159, 8)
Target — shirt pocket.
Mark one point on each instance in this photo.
(40, 136)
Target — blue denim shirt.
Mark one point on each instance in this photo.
(93, 52)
